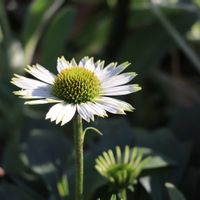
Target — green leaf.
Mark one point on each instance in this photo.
(20, 174)
(173, 192)
(56, 36)
(63, 187)
(34, 17)
(37, 19)
(157, 161)
(150, 42)
(48, 153)
(113, 197)
(159, 141)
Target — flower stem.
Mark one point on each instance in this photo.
(123, 194)
(78, 142)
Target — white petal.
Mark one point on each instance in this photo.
(41, 73)
(118, 80)
(42, 101)
(120, 68)
(119, 104)
(110, 67)
(37, 93)
(112, 70)
(99, 66)
(35, 102)
(54, 111)
(109, 108)
(90, 64)
(97, 63)
(61, 115)
(95, 109)
(84, 113)
(88, 110)
(27, 83)
(61, 112)
(71, 109)
(100, 108)
(66, 114)
(73, 63)
(121, 90)
(83, 61)
(62, 64)
(105, 73)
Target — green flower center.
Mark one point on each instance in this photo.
(76, 85)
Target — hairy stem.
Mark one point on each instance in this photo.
(78, 142)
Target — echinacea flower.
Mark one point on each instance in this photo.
(84, 88)
(122, 169)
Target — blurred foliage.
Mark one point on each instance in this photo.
(174, 193)
(162, 40)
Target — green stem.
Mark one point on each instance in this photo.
(78, 142)
(123, 194)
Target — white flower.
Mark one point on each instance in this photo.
(84, 88)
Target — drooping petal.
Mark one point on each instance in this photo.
(112, 108)
(62, 64)
(67, 112)
(37, 93)
(61, 112)
(118, 104)
(95, 109)
(27, 83)
(54, 111)
(84, 113)
(88, 110)
(43, 101)
(121, 90)
(70, 112)
(41, 73)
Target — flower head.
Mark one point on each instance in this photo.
(85, 88)
(122, 169)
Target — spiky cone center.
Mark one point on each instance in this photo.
(76, 85)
